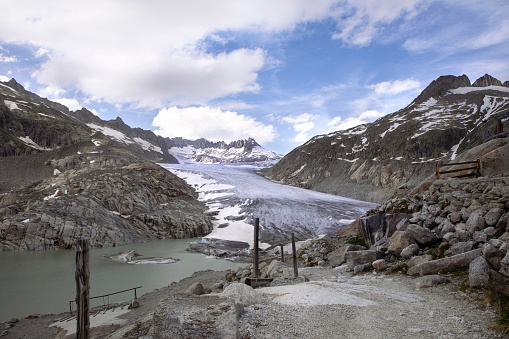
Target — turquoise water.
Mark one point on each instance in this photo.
(43, 281)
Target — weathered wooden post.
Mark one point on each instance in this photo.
(255, 248)
(282, 253)
(82, 275)
(295, 270)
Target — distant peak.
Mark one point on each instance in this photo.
(15, 85)
(487, 80)
(441, 86)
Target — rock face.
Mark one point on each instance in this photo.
(112, 197)
(371, 161)
(486, 80)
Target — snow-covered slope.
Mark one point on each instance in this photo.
(219, 152)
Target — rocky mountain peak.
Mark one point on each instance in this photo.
(441, 85)
(487, 80)
(15, 85)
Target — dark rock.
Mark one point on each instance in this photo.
(337, 257)
(504, 265)
(475, 222)
(419, 260)
(491, 218)
(393, 220)
(372, 228)
(354, 258)
(422, 235)
(486, 80)
(410, 251)
(498, 284)
(493, 255)
(462, 247)
(441, 86)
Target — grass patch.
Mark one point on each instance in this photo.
(501, 305)
(356, 241)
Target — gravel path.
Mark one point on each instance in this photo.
(336, 305)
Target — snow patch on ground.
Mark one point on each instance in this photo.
(114, 134)
(29, 142)
(147, 146)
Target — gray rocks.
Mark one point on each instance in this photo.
(478, 272)
(337, 257)
(493, 255)
(196, 289)
(379, 265)
(445, 264)
(475, 222)
(504, 265)
(398, 241)
(419, 260)
(491, 218)
(462, 247)
(410, 251)
(355, 258)
(430, 281)
(422, 235)
(243, 293)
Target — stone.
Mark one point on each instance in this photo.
(491, 218)
(361, 268)
(475, 222)
(402, 225)
(463, 235)
(419, 260)
(498, 284)
(381, 245)
(355, 258)
(462, 247)
(504, 265)
(503, 223)
(244, 293)
(398, 241)
(478, 272)
(480, 236)
(430, 281)
(455, 217)
(195, 289)
(410, 251)
(379, 265)
(422, 235)
(337, 258)
(445, 227)
(490, 231)
(134, 304)
(493, 255)
(446, 264)
(372, 228)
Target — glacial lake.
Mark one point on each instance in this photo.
(43, 281)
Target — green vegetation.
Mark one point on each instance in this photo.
(356, 241)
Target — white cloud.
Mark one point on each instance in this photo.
(150, 53)
(72, 104)
(300, 123)
(3, 78)
(41, 52)
(210, 123)
(395, 87)
(94, 111)
(7, 59)
(338, 124)
(359, 20)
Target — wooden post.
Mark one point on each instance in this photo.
(255, 247)
(82, 275)
(282, 253)
(295, 270)
(437, 171)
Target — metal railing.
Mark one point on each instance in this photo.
(108, 297)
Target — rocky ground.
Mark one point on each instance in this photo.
(321, 303)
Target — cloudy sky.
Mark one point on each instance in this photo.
(280, 71)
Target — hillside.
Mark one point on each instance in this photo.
(369, 161)
(66, 175)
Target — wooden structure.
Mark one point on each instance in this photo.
(462, 169)
(255, 281)
(106, 298)
(82, 275)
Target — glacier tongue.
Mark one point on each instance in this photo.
(238, 195)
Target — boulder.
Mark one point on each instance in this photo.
(337, 257)
(498, 283)
(430, 281)
(379, 265)
(372, 228)
(355, 258)
(491, 218)
(462, 247)
(493, 255)
(446, 264)
(422, 235)
(410, 251)
(475, 222)
(478, 272)
(195, 289)
(361, 268)
(398, 241)
(504, 265)
(243, 293)
(419, 260)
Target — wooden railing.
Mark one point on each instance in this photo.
(473, 169)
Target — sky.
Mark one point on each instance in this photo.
(279, 71)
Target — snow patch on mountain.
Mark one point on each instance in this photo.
(465, 90)
(121, 137)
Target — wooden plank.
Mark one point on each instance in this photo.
(255, 247)
(295, 269)
(457, 163)
(82, 275)
(459, 170)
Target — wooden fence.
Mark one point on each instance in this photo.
(463, 169)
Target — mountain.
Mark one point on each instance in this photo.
(369, 161)
(32, 130)
(66, 175)
(205, 151)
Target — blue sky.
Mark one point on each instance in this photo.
(278, 71)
